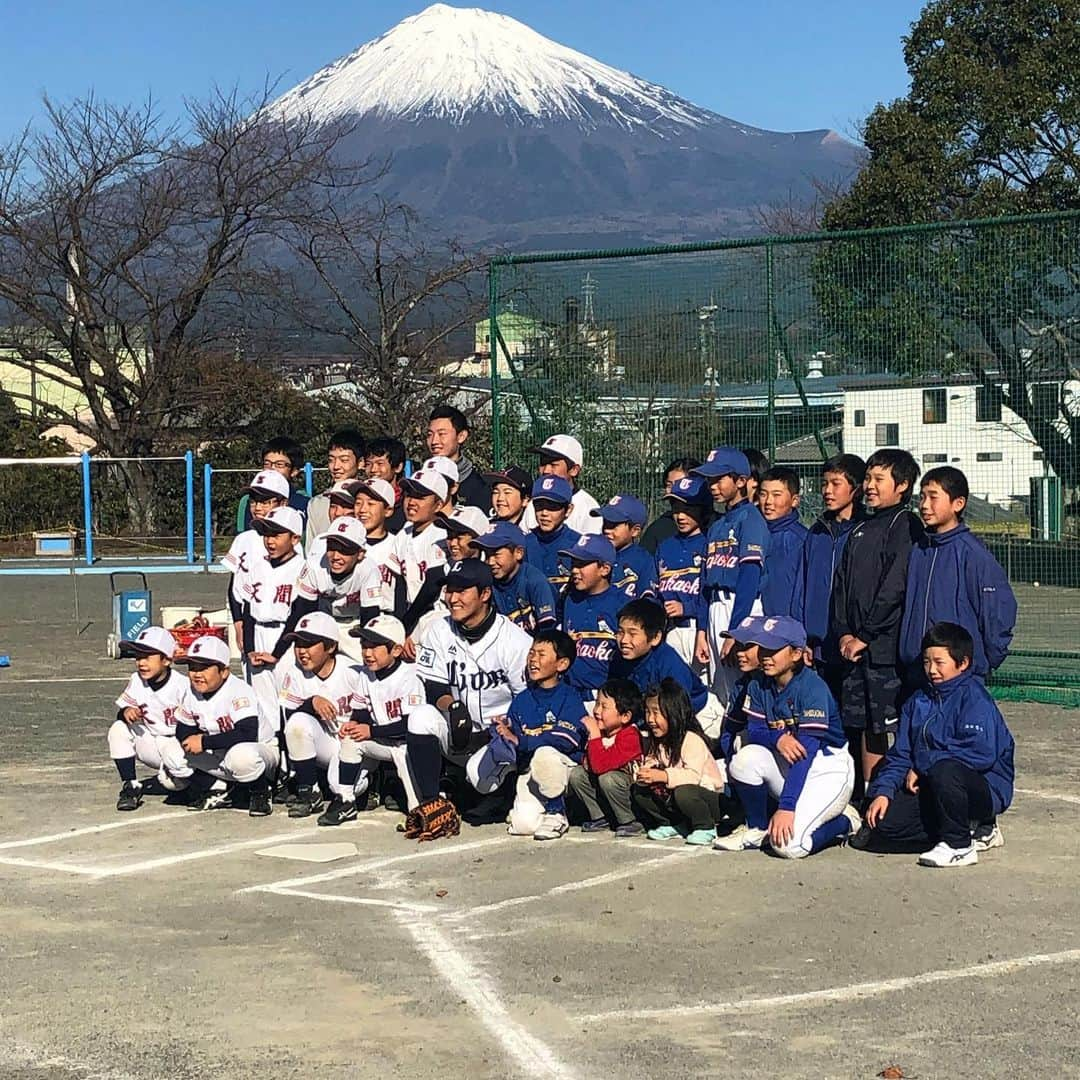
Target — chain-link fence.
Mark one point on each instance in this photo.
(958, 342)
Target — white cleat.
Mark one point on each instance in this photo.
(991, 838)
(943, 857)
(744, 838)
(551, 827)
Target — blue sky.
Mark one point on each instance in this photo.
(781, 64)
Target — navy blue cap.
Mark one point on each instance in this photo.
(622, 508)
(723, 460)
(591, 548)
(691, 491)
(553, 489)
(468, 574)
(503, 534)
(771, 632)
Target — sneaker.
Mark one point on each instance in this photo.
(631, 828)
(744, 838)
(701, 837)
(283, 793)
(215, 800)
(599, 824)
(130, 797)
(309, 801)
(854, 820)
(985, 838)
(338, 812)
(259, 804)
(551, 827)
(943, 857)
(663, 832)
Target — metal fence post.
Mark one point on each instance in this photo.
(88, 509)
(770, 302)
(208, 513)
(309, 473)
(189, 504)
(493, 349)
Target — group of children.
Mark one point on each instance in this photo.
(501, 648)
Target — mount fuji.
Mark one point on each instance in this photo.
(500, 135)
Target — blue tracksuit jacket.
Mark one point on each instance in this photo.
(786, 538)
(592, 621)
(956, 719)
(548, 717)
(952, 577)
(635, 573)
(663, 662)
(542, 551)
(527, 599)
(736, 550)
(679, 560)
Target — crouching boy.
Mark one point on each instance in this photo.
(950, 771)
(220, 735)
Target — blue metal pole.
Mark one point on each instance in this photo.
(189, 482)
(208, 518)
(309, 472)
(88, 509)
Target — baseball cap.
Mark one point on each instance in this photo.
(444, 467)
(622, 508)
(690, 490)
(514, 475)
(378, 489)
(591, 548)
(465, 519)
(207, 651)
(744, 632)
(317, 626)
(427, 482)
(282, 519)
(772, 632)
(468, 574)
(382, 630)
(344, 492)
(723, 460)
(348, 532)
(154, 639)
(269, 484)
(499, 536)
(553, 489)
(564, 446)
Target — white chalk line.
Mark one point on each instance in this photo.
(53, 679)
(44, 864)
(364, 901)
(377, 864)
(13, 773)
(853, 992)
(71, 834)
(1073, 799)
(531, 1056)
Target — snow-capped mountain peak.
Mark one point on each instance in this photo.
(453, 63)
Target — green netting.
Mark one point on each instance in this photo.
(958, 342)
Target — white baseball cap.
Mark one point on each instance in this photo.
(564, 446)
(280, 519)
(378, 489)
(444, 466)
(208, 650)
(269, 484)
(317, 626)
(465, 519)
(346, 530)
(427, 482)
(154, 639)
(344, 492)
(382, 630)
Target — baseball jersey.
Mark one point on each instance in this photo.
(679, 560)
(580, 519)
(269, 589)
(634, 575)
(341, 687)
(484, 675)
(389, 695)
(234, 701)
(738, 536)
(384, 554)
(157, 707)
(592, 621)
(343, 598)
(527, 599)
(240, 558)
(541, 716)
(542, 551)
(417, 553)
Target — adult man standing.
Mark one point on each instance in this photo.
(447, 433)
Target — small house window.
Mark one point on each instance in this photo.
(860, 418)
(935, 406)
(934, 459)
(989, 456)
(886, 434)
(988, 403)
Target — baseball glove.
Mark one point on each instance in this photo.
(435, 818)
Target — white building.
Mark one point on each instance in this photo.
(956, 421)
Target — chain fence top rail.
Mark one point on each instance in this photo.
(958, 341)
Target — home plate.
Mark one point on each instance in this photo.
(311, 852)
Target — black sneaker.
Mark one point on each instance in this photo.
(338, 812)
(214, 800)
(130, 797)
(309, 801)
(600, 824)
(259, 804)
(631, 828)
(283, 794)
(861, 839)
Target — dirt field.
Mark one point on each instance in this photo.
(161, 944)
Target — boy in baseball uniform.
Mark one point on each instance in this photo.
(146, 715)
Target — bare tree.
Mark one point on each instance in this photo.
(797, 215)
(130, 248)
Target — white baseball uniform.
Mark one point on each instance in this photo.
(246, 548)
(342, 598)
(419, 552)
(269, 591)
(384, 554)
(158, 708)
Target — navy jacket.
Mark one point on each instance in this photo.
(542, 551)
(663, 662)
(548, 717)
(679, 561)
(952, 577)
(635, 573)
(956, 719)
(868, 592)
(782, 563)
(527, 599)
(822, 550)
